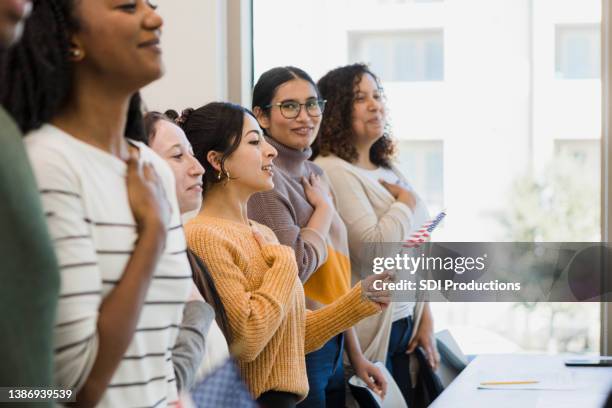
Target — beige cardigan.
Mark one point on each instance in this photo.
(372, 216)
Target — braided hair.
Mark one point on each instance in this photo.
(37, 74)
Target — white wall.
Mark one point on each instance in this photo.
(195, 55)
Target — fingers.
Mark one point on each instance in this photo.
(305, 182)
(411, 346)
(149, 172)
(435, 358)
(381, 381)
(386, 184)
(431, 358)
(371, 384)
(259, 237)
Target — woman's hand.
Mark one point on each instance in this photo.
(317, 193)
(371, 375)
(264, 236)
(373, 288)
(400, 194)
(146, 195)
(425, 338)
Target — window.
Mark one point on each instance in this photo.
(583, 152)
(422, 162)
(408, 1)
(401, 56)
(479, 133)
(578, 51)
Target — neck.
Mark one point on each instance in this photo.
(223, 201)
(289, 159)
(97, 115)
(363, 155)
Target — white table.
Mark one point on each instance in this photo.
(594, 384)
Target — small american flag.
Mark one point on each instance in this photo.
(423, 234)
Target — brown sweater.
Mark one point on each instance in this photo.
(270, 328)
(286, 210)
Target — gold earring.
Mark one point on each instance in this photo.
(75, 53)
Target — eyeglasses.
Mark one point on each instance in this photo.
(292, 109)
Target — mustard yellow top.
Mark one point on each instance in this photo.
(271, 330)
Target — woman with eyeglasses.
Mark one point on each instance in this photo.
(301, 213)
(256, 276)
(109, 200)
(378, 205)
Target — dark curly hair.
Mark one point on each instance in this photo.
(37, 75)
(336, 132)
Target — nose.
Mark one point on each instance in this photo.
(196, 168)
(152, 20)
(303, 115)
(270, 151)
(374, 104)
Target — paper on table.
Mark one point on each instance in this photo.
(546, 380)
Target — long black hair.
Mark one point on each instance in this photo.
(37, 74)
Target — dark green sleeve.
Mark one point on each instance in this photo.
(29, 277)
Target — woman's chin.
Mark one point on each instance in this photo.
(268, 185)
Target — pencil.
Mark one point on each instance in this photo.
(508, 382)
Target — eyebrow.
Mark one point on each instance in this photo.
(257, 132)
(295, 100)
(173, 146)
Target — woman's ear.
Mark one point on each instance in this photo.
(76, 52)
(214, 158)
(262, 118)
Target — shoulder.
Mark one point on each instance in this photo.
(332, 162)
(54, 156)
(212, 231)
(48, 140)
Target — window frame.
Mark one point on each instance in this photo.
(606, 169)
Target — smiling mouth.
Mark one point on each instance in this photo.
(197, 187)
(150, 43)
(303, 131)
(268, 168)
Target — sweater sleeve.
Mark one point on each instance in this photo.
(75, 332)
(344, 313)
(271, 209)
(189, 347)
(358, 213)
(254, 315)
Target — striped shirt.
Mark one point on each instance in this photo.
(85, 200)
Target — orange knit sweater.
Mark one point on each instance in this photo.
(270, 328)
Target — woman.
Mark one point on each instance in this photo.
(289, 109)
(117, 234)
(270, 329)
(376, 203)
(200, 342)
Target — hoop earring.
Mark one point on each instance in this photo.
(222, 174)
